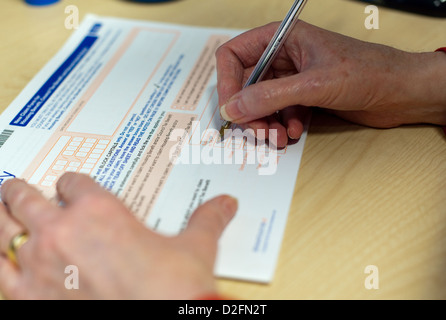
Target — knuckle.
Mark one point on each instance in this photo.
(15, 195)
(45, 242)
(30, 205)
(52, 239)
(220, 51)
(101, 203)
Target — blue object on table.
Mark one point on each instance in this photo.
(150, 0)
(40, 2)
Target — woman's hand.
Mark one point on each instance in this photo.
(370, 84)
(117, 257)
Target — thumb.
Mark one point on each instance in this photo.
(208, 222)
(266, 97)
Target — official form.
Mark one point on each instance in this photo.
(134, 105)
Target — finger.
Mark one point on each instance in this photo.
(267, 97)
(208, 222)
(9, 278)
(72, 186)
(259, 126)
(237, 58)
(249, 46)
(293, 118)
(230, 74)
(9, 228)
(268, 128)
(277, 134)
(27, 204)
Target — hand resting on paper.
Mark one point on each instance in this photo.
(116, 256)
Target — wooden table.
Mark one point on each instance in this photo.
(363, 196)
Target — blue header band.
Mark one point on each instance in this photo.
(41, 97)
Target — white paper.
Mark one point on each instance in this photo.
(134, 104)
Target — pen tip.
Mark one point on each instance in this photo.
(224, 126)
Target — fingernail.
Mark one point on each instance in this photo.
(291, 134)
(230, 111)
(230, 204)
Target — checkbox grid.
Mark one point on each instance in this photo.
(80, 154)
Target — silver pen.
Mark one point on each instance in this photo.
(273, 48)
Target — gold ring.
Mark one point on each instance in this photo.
(15, 244)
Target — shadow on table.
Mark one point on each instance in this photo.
(325, 123)
(432, 8)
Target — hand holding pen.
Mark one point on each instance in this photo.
(271, 50)
(362, 82)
